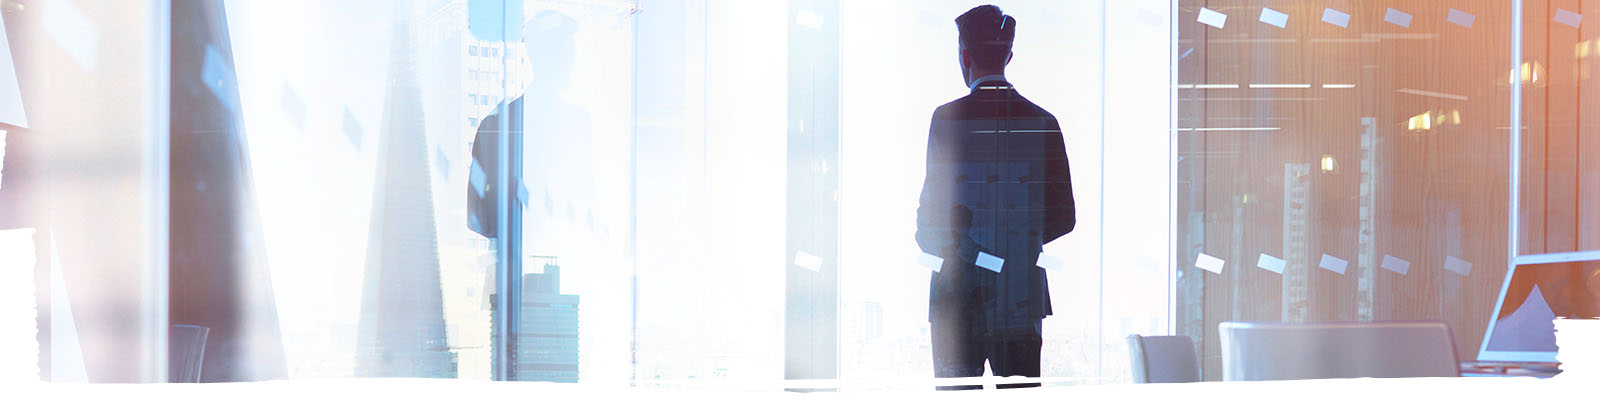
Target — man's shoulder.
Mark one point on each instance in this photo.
(972, 106)
(950, 110)
(1034, 109)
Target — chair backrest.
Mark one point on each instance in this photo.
(187, 345)
(1279, 351)
(1163, 359)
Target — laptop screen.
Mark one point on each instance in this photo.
(1536, 295)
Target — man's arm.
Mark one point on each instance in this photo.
(1061, 212)
(941, 223)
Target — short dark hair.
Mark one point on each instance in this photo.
(987, 34)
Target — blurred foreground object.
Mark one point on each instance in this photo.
(1579, 343)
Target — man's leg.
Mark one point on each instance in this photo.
(1016, 353)
(957, 352)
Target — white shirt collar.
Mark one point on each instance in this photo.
(985, 78)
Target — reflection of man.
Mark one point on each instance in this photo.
(557, 145)
(559, 160)
(997, 189)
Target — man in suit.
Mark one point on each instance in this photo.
(997, 189)
(555, 166)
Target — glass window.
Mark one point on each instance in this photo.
(728, 191)
(368, 248)
(577, 192)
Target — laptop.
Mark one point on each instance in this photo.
(1521, 330)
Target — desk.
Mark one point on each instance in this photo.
(1508, 369)
(395, 388)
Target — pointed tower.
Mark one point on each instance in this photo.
(402, 331)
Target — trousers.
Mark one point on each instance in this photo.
(963, 341)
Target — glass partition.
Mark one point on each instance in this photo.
(1343, 161)
(1558, 147)
(1556, 227)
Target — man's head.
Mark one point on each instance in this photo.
(551, 48)
(986, 36)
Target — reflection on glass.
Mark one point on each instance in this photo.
(547, 342)
(219, 278)
(1357, 132)
(1558, 186)
(577, 186)
(1536, 295)
(402, 328)
(358, 159)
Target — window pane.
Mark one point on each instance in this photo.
(359, 171)
(577, 131)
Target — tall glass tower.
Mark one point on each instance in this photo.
(402, 330)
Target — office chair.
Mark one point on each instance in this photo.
(1163, 359)
(1282, 351)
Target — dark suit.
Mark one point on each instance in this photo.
(482, 214)
(997, 182)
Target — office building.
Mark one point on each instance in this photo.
(402, 331)
(547, 342)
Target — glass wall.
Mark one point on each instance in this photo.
(1347, 161)
(1556, 227)
(1558, 168)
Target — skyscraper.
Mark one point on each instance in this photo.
(547, 343)
(402, 331)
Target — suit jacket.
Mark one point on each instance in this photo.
(997, 182)
(482, 215)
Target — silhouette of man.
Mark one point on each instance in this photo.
(997, 189)
(558, 144)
